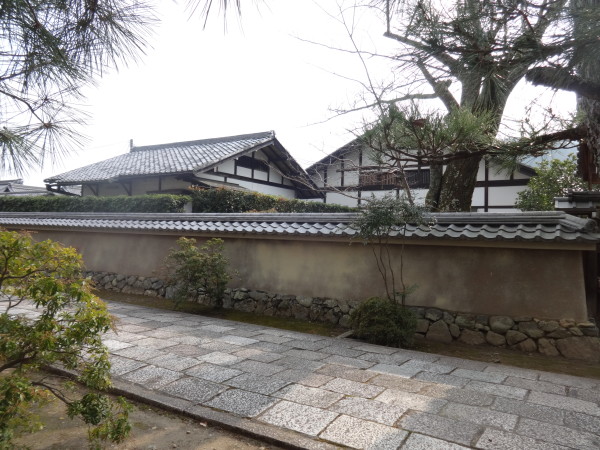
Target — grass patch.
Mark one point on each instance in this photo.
(284, 323)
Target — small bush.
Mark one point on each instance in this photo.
(199, 271)
(155, 203)
(384, 322)
(229, 201)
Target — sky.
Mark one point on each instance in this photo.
(262, 75)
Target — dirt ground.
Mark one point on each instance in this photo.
(152, 429)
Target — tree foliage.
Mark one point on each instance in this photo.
(49, 51)
(64, 329)
(554, 178)
(199, 271)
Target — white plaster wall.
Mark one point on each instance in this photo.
(170, 182)
(244, 172)
(504, 195)
(227, 166)
(478, 197)
(260, 175)
(266, 189)
(341, 199)
(111, 189)
(496, 173)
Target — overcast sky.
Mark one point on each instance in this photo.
(196, 84)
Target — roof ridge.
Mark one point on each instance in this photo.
(263, 134)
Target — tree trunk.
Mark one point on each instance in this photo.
(432, 199)
(458, 184)
(588, 69)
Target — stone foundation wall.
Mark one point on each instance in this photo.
(564, 337)
(550, 337)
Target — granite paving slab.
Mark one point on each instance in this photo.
(357, 433)
(326, 393)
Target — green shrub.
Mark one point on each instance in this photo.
(155, 203)
(230, 201)
(66, 332)
(382, 321)
(199, 271)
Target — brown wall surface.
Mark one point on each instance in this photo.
(542, 283)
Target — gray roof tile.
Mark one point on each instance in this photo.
(534, 227)
(176, 157)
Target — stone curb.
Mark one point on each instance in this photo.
(246, 427)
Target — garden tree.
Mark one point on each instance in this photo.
(65, 329)
(581, 75)
(386, 320)
(375, 225)
(554, 178)
(470, 54)
(49, 51)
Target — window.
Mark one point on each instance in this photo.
(251, 163)
(418, 178)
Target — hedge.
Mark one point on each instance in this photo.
(203, 201)
(229, 201)
(157, 203)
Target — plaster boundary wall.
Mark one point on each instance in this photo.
(495, 278)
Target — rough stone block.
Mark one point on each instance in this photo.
(593, 331)
(465, 321)
(472, 337)
(566, 323)
(585, 347)
(531, 329)
(495, 339)
(547, 347)
(433, 314)
(422, 325)
(447, 317)
(514, 337)
(528, 345)
(501, 324)
(575, 331)
(439, 332)
(559, 333)
(454, 330)
(548, 325)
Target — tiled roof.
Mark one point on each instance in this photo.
(171, 158)
(534, 227)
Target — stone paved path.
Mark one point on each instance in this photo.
(318, 392)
